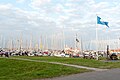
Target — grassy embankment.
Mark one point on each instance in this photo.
(78, 61)
(27, 70)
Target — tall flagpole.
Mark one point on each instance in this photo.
(96, 40)
(63, 39)
(82, 47)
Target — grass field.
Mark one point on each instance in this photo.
(27, 70)
(78, 61)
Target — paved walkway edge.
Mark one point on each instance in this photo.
(71, 65)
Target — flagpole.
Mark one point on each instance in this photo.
(96, 40)
(82, 47)
(64, 44)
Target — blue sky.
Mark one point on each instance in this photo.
(52, 17)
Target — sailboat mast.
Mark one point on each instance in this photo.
(1, 40)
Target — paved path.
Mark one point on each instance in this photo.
(112, 74)
(76, 66)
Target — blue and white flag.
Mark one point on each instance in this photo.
(101, 22)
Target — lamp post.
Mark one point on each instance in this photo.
(107, 51)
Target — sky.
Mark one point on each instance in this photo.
(59, 20)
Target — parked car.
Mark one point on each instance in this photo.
(113, 56)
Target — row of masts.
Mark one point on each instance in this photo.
(54, 42)
(42, 43)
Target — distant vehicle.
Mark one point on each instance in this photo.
(75, 55)
(67, 55)
(30, 54)
(62, 54)
(38, 54)
(45, 53)
(114, 56)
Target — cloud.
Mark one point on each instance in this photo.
(5, 7)
(114, 30)
(20, 1)
(39, 3)
(49, 16)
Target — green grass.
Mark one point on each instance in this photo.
(27, 70)
(78, 61)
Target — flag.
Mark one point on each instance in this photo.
(77, 40)
(101, 22)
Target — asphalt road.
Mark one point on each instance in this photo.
(112, 74)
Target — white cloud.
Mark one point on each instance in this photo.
(59, 8)
(45, 16)
(20, 1)
(39, 3)
(4, 7)
(114, 30)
